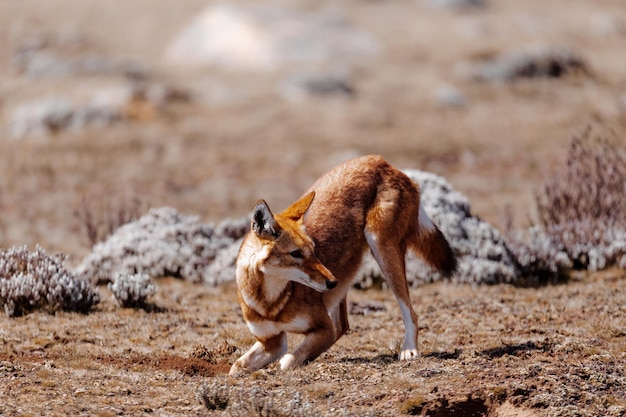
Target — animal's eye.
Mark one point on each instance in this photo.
(296, 254)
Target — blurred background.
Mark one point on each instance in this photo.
(109, 108)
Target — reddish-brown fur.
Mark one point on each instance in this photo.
(361, 204)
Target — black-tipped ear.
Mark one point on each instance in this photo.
(263, 223)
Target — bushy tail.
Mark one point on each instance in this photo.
(430, 244)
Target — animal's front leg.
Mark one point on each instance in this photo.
(261, 354)
(314, 344)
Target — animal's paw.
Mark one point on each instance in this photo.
(288, 362)
(237, 370)
(408, 354)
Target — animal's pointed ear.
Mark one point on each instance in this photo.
(297, 209)
(263, 222)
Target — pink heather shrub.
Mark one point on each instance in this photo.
(583, 207)
(582, 213)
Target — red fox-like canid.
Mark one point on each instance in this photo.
(294, 269)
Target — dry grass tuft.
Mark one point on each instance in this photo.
(219, 354)
(413, 406)
(100, 221)
(589, 190)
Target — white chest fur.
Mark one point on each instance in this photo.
(266, 328)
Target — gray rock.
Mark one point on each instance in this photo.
(535, 62)
(303, 86)
(53, 113)
(90, 106)
(47, 56)
(457, 4)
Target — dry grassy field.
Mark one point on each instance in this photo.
(211, 141)
(497, 351)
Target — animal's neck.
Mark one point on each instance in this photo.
(265, 294)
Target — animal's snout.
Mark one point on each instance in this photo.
(331, 284)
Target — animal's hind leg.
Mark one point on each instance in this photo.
(390, 258)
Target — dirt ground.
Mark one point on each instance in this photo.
(498, 350)
(231, 138)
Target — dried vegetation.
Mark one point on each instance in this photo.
(36, 280)
(132, 290)
(166, 243)
(582, 214)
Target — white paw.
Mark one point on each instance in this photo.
(237, 370)
(288, 362)
(408, 354)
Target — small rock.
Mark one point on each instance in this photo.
(302, 86)
(456, 4)
(88, 107)
(538, 62)
(448, 96)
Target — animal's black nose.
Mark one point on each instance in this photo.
(331, 284)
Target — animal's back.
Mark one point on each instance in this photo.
(344, 196)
